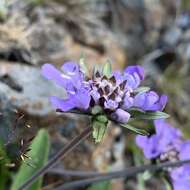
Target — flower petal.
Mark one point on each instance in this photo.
(51, 73)
(64, 105)
(139, 70)
(120, 116)
(71, 68)
(111, 104)
(185, 151)
(81, 99)
(128, 102)
(150, 101)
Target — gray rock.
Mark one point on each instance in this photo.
(26, 89)
(172, 36)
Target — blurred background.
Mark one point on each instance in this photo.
(153, 33)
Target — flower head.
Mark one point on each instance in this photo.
(164, 140)
(114, 93)
(71, 79)
(167, 144)
(181, 176)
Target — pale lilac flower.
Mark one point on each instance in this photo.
(181, 176)
(72, 79)
(115, 94)
(166, 138)
(167, 144)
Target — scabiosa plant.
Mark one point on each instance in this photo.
(167, 144)
(107, 95)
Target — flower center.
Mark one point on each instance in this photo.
(171, 155)
(107, 92)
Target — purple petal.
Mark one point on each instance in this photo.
(120, 116)
(128, 102)
(70, 68)
(149, 146)
(141, 141)
(150, 101)
(64, 105)
(133, 81)
(181, 178)
(132, 70)
(111, 104)
(95, 95)
(146, 100)
(185, 151)
(139, 100)
(118, 76)
(51, 73)
(181, 184)
(152, 151)
(81, 99)
(163, 102)
(169, 137)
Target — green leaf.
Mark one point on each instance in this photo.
(39, 155)
(99, 130)
(141, 89)
(136, 130)
(83, 66)
(97, 68)
(107, 69)
(167, 184)
(96, 110)
(150, 115)
(3, 9)
(4, 173)
(102, 118)
(105, 185)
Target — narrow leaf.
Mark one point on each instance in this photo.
(136, 130)
(4, 173)
(150, 115)
(83, 66)
(102, 118)
(99, 130)
(107, 69)
(39, 155)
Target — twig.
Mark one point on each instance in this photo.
(120, 174)
(74, 173)
(62, 153)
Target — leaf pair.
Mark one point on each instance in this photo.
(106, 70)
(146, 116)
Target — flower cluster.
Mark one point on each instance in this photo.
(115, 93)
(167, 144)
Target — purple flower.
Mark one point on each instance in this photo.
(150, 101)
(115, 94)
(167, 145)
(134, 75)
(121, 116)
(181, 176)
(165, 139)
(72, 79)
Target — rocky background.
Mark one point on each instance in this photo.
(153, 33)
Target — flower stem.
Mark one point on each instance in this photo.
(61, 154)
(128, 172)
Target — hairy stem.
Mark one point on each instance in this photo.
(61, 154)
